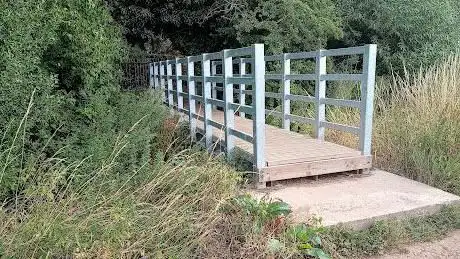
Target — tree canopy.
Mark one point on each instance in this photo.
(409, 33)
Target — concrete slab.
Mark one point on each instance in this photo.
(359, 200)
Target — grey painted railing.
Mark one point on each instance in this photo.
(163, 76)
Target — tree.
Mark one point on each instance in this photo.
(289, 25)
(194, 26)
(408, 33)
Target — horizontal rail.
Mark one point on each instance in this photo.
(216, 124)
(301, 119)
(274, 113)
(216, 102)
(302, 98)
(241, 80)
(240, 52)
(196, 97)
(196, 58)
(341, 127)
(343, 51)
(341, 102)
(215, 79)
(196, 78)
(273, 76)
(198, 117)
(300, 77)
(181, 61)
(342, 77)
(301, 55)
(211, 56)
(274, 58)
(273, 95)
(242, 135)
(242, 108)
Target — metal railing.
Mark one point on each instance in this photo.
(163, 75)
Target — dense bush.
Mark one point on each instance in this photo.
(67, 55)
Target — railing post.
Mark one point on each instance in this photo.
(205, 70)
(180, 99)
(229, 116)
(151, 76)
(156, 75)
(191, 101)
(213, 84)
(162, 80)
(320, 93)
(170, 83)
(367, 98)
(286, 103)
(242, 90)
(258, 97)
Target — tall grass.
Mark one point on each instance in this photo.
(417, 125)
(162, 212)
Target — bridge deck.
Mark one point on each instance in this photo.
(292, 155)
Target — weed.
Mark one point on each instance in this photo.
(383, 236)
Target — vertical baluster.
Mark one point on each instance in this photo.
(242, 92)
(162, 80)
(229, 116)
(180, 99)
(367, 99)
(206, 72)
(191, 101)
(320, 93)
(258, 97)
(156, 75)
(214, 84)
(170, 83)
(151, 75)
(286, 103)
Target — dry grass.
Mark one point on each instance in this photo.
(417, 126)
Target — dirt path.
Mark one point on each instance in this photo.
(449, 247)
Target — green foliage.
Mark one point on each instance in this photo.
(268, 218)
(198, 26)
(408, 33)
(383, 236)
(288, 26)
(261, 211)
(67, 55)
(308, 239)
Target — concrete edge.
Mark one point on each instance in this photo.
(402, 215)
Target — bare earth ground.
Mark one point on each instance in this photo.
(448, 247)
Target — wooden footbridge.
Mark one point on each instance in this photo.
(191, 85)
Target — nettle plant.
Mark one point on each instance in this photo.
(269, 216)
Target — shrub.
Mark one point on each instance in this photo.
(67, 53)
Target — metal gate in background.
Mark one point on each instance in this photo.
(135, 75)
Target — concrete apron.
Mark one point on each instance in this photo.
(358, 201)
